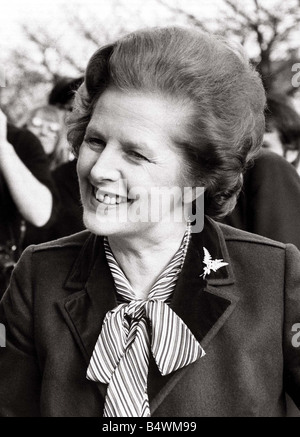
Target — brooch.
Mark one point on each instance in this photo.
(211, 264)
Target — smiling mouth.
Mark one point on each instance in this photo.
(109, 199)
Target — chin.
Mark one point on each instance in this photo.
(102, 226)
(92, 224)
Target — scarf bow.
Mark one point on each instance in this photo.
(121, 355)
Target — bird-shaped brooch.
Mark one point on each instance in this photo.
(211, 264)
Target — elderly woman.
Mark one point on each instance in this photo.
(139, 316)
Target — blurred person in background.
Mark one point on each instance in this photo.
(47, 123)
(65, 175)
(283, 129)
(62, 94)
(269, 202)
(27, 194)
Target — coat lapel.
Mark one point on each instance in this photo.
(84, 310)
(204, 305)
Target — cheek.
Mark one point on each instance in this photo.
(86, 160)
(169, 172)
(35, 130)
(277, 148)
(291, 155)
(50, 144)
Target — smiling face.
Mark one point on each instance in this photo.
(128, 155)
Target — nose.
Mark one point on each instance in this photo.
(44, 129)
(107, 165)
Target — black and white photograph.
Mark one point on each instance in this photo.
(150, 211)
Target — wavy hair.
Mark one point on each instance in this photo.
(227, 95)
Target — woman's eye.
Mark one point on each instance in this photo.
(95, 143)
(137, 156)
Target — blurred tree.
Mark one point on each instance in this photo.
(271, 28)
(34, 71)
(61, 48)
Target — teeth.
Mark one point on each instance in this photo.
(109, 199)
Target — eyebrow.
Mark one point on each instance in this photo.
(93, 131)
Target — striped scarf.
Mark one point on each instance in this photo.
(121, 354)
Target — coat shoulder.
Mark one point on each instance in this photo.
(234, 234)
(54, 262)
(71, 241)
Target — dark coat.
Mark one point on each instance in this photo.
(269, 203)
(243, 315)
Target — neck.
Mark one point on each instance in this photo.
(143, 259)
